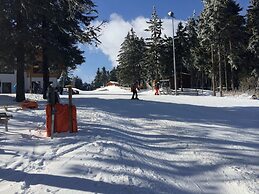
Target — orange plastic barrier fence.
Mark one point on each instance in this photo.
(61, 119)
(29, 104)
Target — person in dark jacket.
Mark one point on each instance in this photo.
(134, 90)
(52, 95)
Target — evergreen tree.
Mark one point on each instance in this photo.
(193, 62)
(67, 24)
(207, 40)
(101, 78)
(153, 54)
(181, 51)
(113, 75)
(97, 83)
(253, 32)
(220, 26)
(104, 76)
(6, 47)
(15, 25)
(201, 58)
(130, 59)
(78, 83)
(166, 58)
(51, 28)
(233, 41)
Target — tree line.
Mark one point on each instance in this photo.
(46, 33)
(102, 77)
(218, 50)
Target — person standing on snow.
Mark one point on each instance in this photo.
(157, 88)
(134, 90)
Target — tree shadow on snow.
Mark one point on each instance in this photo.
(72, 183)
(236, 117)
(7, 100)
(233, 152)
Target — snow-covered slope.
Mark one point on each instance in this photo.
(159, 144)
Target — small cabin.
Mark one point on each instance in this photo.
(112, 83)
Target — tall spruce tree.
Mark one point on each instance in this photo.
(234, 39)
(104, 76)
(153, 65)
(182, 51)
(6, 56)
(98, 79)
(166, 58)
(113, 75)
(67, 24)
(220, 25)
(207, 39)
(217, 27)
(130, 59)
(253, 32)
(51, 28)
(16, 38)
(199, 58)
(193, 63)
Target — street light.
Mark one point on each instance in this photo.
(171, 14)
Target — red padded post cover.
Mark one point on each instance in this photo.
(61, 119)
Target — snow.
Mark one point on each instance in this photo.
(158, 145)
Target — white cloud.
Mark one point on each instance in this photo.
(115, 30)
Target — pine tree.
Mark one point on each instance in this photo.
(67, 24)
(253, 31)
(166, 58)
(78, 83)
(130, 59)
(193, 60)
(51, 28)
(113, 75)
(181, 51)
(234, 39)
(220, 26)
(97, 83)
(104, 76)
(207, 40)
(154, 43)
(6, 46)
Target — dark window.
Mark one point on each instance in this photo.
(6, 87)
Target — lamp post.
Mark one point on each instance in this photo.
(171, 14)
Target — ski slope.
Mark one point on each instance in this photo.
(157, 145)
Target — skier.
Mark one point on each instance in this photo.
(134, 88)
(157, 88)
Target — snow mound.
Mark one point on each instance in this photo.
(112, 89)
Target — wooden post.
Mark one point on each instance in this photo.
(70, 116)
(31, 80)
(4, 119)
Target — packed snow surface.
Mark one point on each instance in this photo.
(156, 145)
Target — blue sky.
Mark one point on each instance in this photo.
(121, 15)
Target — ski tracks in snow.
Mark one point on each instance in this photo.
(130, 147)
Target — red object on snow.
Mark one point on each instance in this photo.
(61, 119)
(29, 104)
(157, 91)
